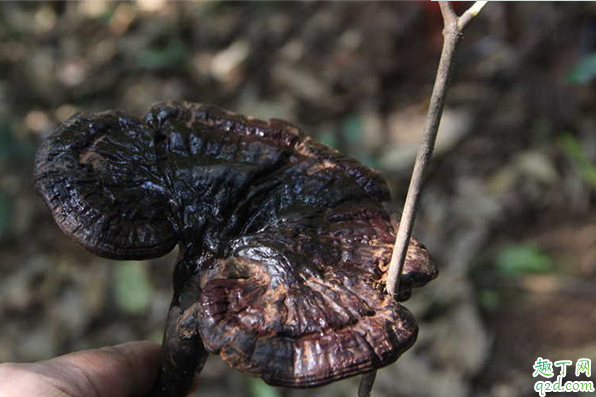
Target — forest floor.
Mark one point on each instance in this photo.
(508, 212)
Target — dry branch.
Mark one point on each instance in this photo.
(453, 28)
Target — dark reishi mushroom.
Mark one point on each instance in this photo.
(284, 243)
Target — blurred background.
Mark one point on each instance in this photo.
(509, 210)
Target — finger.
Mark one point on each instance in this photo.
(126, 370)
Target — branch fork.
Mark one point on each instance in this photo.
(452, 32)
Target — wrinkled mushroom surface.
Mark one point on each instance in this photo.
(284, 242)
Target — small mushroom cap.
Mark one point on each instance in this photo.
(299, 303)
(99, 175)
(285, 243)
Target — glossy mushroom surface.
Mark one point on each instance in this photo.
(284, 242)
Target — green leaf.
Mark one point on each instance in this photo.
(584, 70)
(258, 388)
(132, 288)
(523, 258)
(575, 152)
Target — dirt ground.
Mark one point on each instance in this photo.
(508, 212)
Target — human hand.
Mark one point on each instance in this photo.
(126, 370)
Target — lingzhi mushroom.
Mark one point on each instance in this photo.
(284, 242)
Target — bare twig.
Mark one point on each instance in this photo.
(469, 14)
(453, 27)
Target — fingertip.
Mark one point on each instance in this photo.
(121, 370)
(137, 361)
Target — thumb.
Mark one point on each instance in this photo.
(125, 370)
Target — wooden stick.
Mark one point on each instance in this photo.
(453, 27)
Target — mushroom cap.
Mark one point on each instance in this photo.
(284, 242)
(99, 175)
(301, 303)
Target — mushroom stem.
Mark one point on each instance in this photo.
(181, 359)
(183, 353)
(366, 384)
(453, 28)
